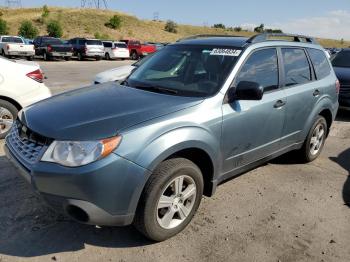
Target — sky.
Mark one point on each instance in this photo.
(325, 18)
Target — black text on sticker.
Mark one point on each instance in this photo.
(225, 52)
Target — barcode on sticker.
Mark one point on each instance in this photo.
(225, 52)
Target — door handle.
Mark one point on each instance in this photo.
(280, 103)
(316, 93)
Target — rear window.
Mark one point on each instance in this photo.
(120, 45)
(52, 41)
(320, 62)
(107, 44)
(296, 66)
(12, 40)
(93, 42)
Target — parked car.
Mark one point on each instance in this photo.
(158, 46)
(87, 48)
(341, 65)
(138, 50)
(21, 84)
(120, 73)
(115, 50)
(50, 47)
(197, 113)
(15, 46)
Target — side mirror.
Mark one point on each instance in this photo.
(246, 90)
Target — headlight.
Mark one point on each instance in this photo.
(74, 154)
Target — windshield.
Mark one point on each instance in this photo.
(186, 70)
(12, 40)
(342, 59)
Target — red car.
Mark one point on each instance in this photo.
(138, 50)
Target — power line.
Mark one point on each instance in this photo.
(13, 3)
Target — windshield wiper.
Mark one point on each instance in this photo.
(157, 89)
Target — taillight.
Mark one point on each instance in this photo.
(36, 75)
(49, 48)
(8, 47)
(337, 86)
(85, 49)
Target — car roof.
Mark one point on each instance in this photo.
(217, 41)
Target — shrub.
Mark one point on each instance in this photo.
(237, 29)
(3, 27)
(260, 28)
(221, 26)
(115, 22)
(27, 29)
(54, 29)
(171, 27)
(103, 36)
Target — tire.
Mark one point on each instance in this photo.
(134, 55)
(3, 53)
(150, 218)
(107, 56)
(80, 57)
(98, 58)
(8, 112)
(67, 58)
(309, 152)
(30, 58)
(46, 57)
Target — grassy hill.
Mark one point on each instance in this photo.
(88, 22)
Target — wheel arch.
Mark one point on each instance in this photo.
(12, 101)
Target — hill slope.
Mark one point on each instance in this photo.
(88, 22)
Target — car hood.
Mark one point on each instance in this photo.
(343, 74)
(114, 74)
(99, 112)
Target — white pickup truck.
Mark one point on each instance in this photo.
(15, 46)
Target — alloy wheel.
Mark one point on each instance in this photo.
(176, 202)
(6, 120)
(317, 139)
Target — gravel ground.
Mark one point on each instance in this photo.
(282, 211)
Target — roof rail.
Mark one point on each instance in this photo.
(296, 38)
(205, 36)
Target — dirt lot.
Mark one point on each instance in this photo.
(283, 211)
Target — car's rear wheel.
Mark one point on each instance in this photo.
(98, 58)
(134, 55)
(46, 57)
(8, 114)
(30, 58)
(67, 58)
(170, 199)
(107, 56)
(315, 140)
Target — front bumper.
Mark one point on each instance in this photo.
(105, 192)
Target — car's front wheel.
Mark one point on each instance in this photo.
(315, 140)
(170, 199)
(8, 114)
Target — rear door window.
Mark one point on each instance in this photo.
(107, 44)
(261, 67)
(320, 62)
(296, 66)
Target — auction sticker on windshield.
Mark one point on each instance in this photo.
(225, 52)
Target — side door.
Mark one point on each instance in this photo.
(252, 129)
(301, 91)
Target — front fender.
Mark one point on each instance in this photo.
(176, 140)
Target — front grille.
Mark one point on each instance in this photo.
(29, 146)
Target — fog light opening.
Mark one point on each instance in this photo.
(77, 213)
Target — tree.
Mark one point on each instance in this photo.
(260, 29)
(54, 29)
(27, 29)
(237, 29)
(171, 27)
(46, 12)
(221, 26)
(3, 27)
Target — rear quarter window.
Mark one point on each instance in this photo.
(320, 63)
